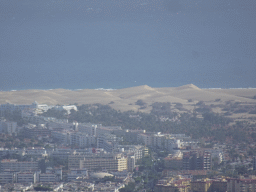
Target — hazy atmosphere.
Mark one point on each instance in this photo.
(124, 43)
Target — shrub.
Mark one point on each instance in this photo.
(140, 102)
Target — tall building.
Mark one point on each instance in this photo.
(146, 139)
(197, 160)
(158, 140)
(130, 163)
(189, 161)
(254, 163)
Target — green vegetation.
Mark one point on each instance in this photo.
(145, 163)
(213, 126)
(140, 102)
(55, 113)
(13, 116)
(128, 188)
(42, 188)
(108, 178)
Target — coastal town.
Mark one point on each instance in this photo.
(43, 153)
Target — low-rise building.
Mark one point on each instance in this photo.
(201, 185)
(176, 184)
(209, 185)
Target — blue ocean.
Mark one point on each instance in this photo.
(124, 43)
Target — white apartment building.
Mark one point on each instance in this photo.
(158, 140)
(132, 150)
(172, 143)
(88, 128)
(26, 177)
(104, 161)
(82, 139)
(14, 165)
(62, 136)
(161, 140)
(47, 177)
(7, 177)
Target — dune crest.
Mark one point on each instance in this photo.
(188, 86)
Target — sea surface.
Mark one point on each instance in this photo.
(114, 44)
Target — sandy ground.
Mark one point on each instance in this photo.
(124, 99)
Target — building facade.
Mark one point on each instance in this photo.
(93, 162)
(15, 165)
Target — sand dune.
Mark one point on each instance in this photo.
(125, 99)
(248, 93)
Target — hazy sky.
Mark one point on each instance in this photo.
(122, 43)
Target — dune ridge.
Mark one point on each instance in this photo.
(125, 99)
